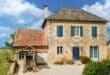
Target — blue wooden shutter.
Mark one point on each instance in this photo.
(73, 31)
(59, 31)
(94, 31)
(81, 30)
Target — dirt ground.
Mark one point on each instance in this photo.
(56, 70)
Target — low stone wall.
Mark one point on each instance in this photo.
(108, 51)
(13, 68)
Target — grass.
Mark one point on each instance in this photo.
(5, 55)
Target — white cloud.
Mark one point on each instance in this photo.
(18, 13)
(17, 7)
(36, 25)
(5, 29)
(5, 32)
(102, 10)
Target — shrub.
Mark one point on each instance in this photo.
(59, 62)
(85, 59)
(69, 62)
(97, 68)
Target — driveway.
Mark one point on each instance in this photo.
(56, 70)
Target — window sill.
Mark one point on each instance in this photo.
(76, 37)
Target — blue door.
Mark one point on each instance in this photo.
(76, 53)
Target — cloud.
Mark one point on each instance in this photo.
(36, 25)
(5, 34)
(102, 10)
(17, 14)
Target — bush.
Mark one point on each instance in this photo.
(59, 62)
(85, 59)
(97, 68)
(69, 62)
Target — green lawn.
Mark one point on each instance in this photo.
(5, 55)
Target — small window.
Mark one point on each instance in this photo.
(59, 31)
(21, 56)
(94, 31)
(59, 50)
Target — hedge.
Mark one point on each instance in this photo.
(97, 68)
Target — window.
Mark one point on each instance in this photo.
(94, 52)
(59, 31)
(21, 56)
(59, 50)
(94, 31)
(76, 31)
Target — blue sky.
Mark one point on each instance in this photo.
(56, 4)
(29, 13)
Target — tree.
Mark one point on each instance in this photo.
(10, 42)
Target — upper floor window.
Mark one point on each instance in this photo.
(60, 31)
(59, 50)
(76, 31)
(94, 31)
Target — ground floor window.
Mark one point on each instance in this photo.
(59, 50)
(94, 52)
(21, 55)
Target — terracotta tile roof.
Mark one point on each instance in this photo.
(29, 37)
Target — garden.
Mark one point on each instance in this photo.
(6, 58)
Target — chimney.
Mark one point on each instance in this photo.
(45, 11)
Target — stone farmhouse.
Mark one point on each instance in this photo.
(68, 33)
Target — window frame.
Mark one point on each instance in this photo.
(21, 56)
(93, 55)
(76, 31)
(59, 50)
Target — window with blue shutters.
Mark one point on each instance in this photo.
(76, 30)
(59, 31)
(94, 31)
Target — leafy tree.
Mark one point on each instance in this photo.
(10, 43)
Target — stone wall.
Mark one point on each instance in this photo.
(68, 42)
(108, 51)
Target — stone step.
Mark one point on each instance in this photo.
(78, 62)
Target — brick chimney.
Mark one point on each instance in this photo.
(45, 11)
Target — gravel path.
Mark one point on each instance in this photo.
(56, 70)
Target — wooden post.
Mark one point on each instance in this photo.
(17, 55)
(34, 64)
(24, 64)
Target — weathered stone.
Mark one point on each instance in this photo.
(68, 42)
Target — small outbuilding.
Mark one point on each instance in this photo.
(31, 48)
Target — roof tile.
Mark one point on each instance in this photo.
(29, 37)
